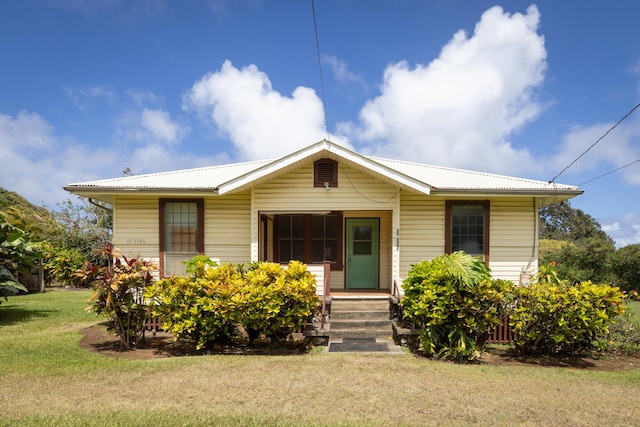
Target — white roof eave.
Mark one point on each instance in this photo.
(300, 156)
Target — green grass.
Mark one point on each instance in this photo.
(634, 310)
(45, 379)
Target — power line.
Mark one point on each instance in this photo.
(324, 101)
(594, 144)
(609, 173)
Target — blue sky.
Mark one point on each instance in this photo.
(91, 87)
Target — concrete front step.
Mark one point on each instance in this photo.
(360, 318)
(359, 315)
(338, 305)
(383, 333)
(352, 323)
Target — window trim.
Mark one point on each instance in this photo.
(448, 227)
(200, 233)
(319, 183)
(338, 265)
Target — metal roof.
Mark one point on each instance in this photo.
(421, 178)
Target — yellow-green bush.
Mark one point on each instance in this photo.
(266, 300)
(453, 302)
(554, 316)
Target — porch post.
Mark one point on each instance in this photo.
(255, 247)
(395, 242)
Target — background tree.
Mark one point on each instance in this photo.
(18, 253)
(69, 236)
(576, 243)
(625, 265)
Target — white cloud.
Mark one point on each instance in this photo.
(159, 124)
(623, 230)
(259, 121)
(143, 97)
(341, 70)
(26, 131)
(79, 96)
(619, 148)
(149, 126)
(460, 109)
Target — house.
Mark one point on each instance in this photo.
(369, 218)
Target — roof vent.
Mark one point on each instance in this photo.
(325, 173)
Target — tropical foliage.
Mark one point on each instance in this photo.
(265, 299)
(553, 315)
(453, 302)
(118, 294)
(18, 253)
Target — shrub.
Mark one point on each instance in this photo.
(554, 316)
(266, 299)
(454, 303)
(277, 301)
(61, 266)
(200, 307)
(118, 295)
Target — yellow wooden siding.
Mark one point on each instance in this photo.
(295, 191)
(421, 229)
(227, 224)
(358, 195)
(513, 240)
(512, 233)
(136, 227)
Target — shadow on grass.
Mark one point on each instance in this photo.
(12, 315)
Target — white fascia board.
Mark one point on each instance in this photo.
(339, 151)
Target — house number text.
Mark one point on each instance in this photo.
(135, 241)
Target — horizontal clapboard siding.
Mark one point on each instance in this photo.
(513, 240)
(421, 229)
(227, 222)
(295, 191)
(512, 233)
(135, 227)
(227, 227)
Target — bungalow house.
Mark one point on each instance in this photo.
(369, 218)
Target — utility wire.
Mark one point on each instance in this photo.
(610, 172)
(324, 101)
(594, 144)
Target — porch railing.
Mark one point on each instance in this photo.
(502, 334)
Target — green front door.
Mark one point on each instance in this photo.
(362, 253)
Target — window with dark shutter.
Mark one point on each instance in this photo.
(325, 173)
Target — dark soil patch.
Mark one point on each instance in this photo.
(603, 362)
(161, 345)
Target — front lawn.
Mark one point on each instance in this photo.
(46, 379)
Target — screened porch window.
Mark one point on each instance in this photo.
(467, 228)
(181, 234)
(309, 238)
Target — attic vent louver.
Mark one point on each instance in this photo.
(325, 171)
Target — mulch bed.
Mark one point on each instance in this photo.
(161, 345)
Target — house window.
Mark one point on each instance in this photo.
(181, 234)
(309, 238)
(467, 228)
(324, 238)
(325, 173)
(291, 237)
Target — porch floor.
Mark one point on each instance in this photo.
(373, 294)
